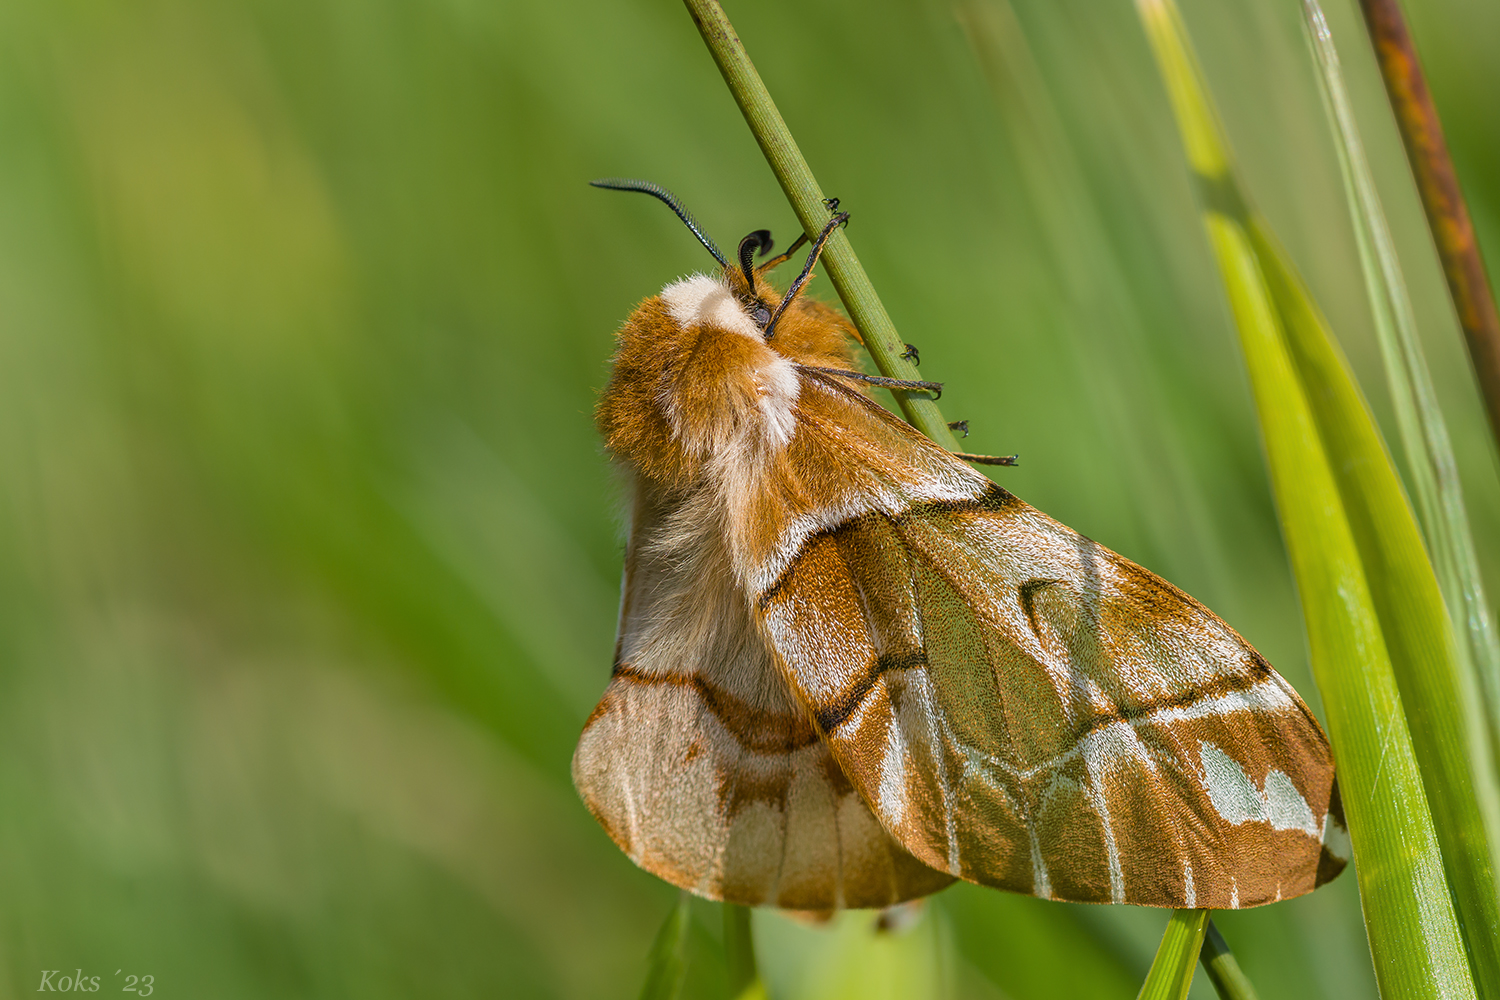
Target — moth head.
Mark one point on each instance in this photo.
(741, 279)
(764, 306)
(708, 367)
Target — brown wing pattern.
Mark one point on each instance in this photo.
(1027, 709)
(701, 764)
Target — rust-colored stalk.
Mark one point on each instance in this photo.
(1447, 212)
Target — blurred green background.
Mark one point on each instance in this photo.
(309, 553)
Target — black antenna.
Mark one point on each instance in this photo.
(670, 199)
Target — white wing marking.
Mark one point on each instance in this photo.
(1237, 800)
(1286, 807)
(893, 774)
(1233, 794)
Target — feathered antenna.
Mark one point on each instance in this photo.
(670, 199)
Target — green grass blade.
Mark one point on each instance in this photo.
(1177, 958)
(1424, 431)
(1230, 982)
(667, 969)
(1326, 462)
(1413, 932)
(1473, 837)
(739, 949)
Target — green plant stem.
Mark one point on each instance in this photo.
(1176, 958)
(849, 278)
(1223, 971)
(739, 949)
(806, 198)
(667, 964)
(1409, 914)
(1424, 432)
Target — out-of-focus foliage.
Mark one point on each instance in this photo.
(308, 554)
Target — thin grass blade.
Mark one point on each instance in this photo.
(667, 965)
(1442, 197)
(1128, 386)
(1434, 477)
(1342, 532)
(1176, 959)
(739, 949)
(1230, 982)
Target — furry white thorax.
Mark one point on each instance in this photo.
(739, 457)
(701, 300)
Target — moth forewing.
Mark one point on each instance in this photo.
(850, 668)
(1045, 738)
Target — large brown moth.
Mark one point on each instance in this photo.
(851, 669)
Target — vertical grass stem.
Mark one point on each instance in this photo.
(739, 949)
(1176, 958)
(1230, 982)
(667, 964)
(806, 198)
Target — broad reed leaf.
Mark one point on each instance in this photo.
(1470, 836)
(1369, 596)
(667, 968)
(1172, 970)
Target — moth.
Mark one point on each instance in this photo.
(851, 669)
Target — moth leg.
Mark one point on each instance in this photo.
(832, 204)
(962, 426)
(912, 355)
(812, 259)
(987, 459)
(784, 256)
(910, 385)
